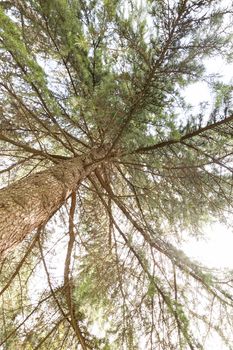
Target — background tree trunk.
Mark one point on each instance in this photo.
(30, 202)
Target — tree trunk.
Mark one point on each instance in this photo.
(30, 202)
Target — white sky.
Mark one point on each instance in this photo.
(200, 92)
(216, 248)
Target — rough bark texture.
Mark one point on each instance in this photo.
(30, 202)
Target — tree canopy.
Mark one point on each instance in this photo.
(100, 85)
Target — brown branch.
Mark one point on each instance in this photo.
(20, 264)
(159, 289)
(31, 150)
(12, 166)
(12, 93)
(48, 335)
(183, 138)
(25, 319)
(53, 293)
(167, 249)
(67, 279)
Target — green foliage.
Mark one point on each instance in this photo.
(223, 95)
(82, 76)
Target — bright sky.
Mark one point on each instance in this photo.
(199, 92)
(215, 249)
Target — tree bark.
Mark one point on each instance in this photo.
(30, 202)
